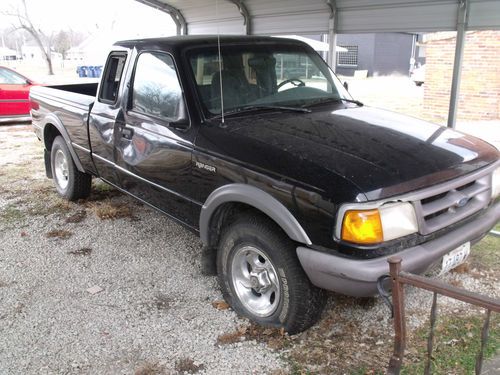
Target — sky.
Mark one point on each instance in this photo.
(125, 18)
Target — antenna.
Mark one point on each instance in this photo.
(220, 61)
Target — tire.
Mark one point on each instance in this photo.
(70, 183)
(262, 279)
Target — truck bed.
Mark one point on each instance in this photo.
(79, 94)
(67, 108)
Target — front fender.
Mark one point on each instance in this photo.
(256, 198)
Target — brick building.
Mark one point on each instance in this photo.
(480, 84)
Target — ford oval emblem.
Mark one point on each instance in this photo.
(462, 202)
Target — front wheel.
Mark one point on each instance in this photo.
(70, 183)
(261, 277)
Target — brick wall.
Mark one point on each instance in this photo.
(480, 86)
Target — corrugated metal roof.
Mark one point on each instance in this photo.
(312, 16)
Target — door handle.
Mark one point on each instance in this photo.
(127, 133)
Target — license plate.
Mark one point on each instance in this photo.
(455, 257)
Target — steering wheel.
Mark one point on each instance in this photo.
(291, 80)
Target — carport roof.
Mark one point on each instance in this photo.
(314, 16)
(274, 17)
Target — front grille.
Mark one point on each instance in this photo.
(451, 202)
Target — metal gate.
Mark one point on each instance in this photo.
(399, 279)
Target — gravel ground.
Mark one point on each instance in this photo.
(109, 286)
(115, 297)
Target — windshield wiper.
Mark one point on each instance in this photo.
(250, 108)
(337, 100)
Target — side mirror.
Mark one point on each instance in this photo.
(182, 121)
(346, 85)
(181, 124)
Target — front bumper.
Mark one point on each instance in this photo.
(356, 277)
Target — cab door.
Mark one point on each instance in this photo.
(155, 138)
(105, 112)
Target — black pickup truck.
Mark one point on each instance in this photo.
(292, 186)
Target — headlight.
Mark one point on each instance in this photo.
(372, 226)
(495, 184)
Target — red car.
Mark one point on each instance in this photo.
(14, 96)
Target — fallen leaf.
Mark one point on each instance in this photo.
(77, 217)
(220, 305)
(268, 331)
(95, 289)
(59, 233)
(83, 251)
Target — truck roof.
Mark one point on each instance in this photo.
(199, 40)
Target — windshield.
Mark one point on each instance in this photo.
(262, 76)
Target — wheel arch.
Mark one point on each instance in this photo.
(53, 127)
(253, 197)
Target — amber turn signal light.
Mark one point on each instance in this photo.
(362, 227)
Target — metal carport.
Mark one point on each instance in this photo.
(273, 17)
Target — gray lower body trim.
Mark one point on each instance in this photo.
(21, 118)
(14, 101)
(359, 277)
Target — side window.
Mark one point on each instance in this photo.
(156, 89)
(9, 77)
(111, 78)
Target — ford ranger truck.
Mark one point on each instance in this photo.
(292, 185)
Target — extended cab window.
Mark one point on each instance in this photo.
(156, 89)
(112, 77)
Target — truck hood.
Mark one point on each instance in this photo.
(382, 153)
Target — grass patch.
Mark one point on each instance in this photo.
(272, 337)
(102, 191)
(11, 214)
(38, 208)
(456, 344)
(366, 371)
(77, 217)
(484, 254)
(17, 171)
(102, 187)
(188, 366)
(150, 369)
(59, 233)
(111, 210)
(230, 338)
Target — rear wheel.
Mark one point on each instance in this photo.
(70, 183)
(261, 277)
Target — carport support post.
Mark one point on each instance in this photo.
(332, 35)
(463, 13)
(247, 19)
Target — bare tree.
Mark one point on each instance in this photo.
(62, 43)
(24, 23)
